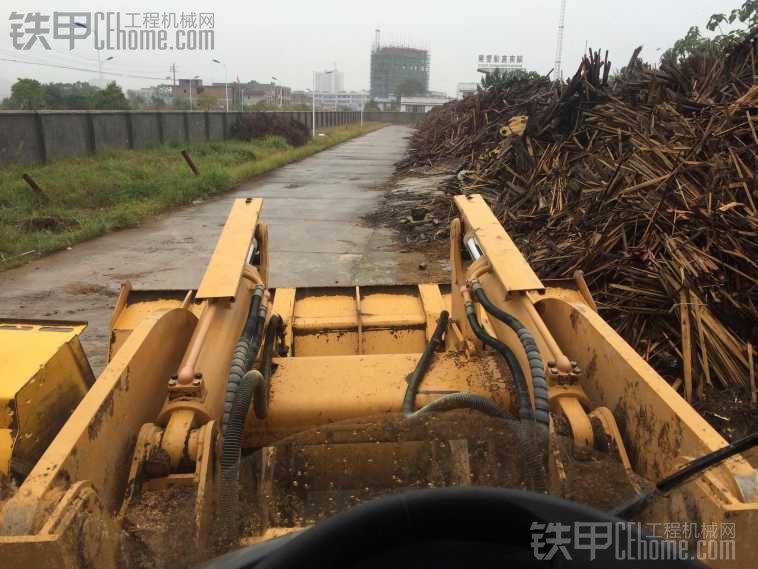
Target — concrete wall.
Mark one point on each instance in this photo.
(394, 117)
(173, 128)
(111, 130)
(20, 139)
(215, 126)
(29, 137)
(67, 135)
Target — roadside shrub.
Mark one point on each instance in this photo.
(257, 125)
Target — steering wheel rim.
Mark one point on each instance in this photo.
(475, 514)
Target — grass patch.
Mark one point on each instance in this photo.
(87, 197)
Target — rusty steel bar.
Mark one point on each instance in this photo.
(190, 163)
(38, 192)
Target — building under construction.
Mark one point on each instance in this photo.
(395, 65)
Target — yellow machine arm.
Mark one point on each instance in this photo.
(163, 419)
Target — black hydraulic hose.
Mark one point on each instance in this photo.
(462, 400)
(255, 304)
(524, 404)
(263, 389)
(237, 369)
(640, 502)
(536, 367)
(231, 444)
(417, 375)
(255, 342)
(244, 352)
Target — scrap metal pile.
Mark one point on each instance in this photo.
(646, 182)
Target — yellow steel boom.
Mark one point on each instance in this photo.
(159, 421)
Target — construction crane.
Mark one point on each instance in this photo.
(559, 42)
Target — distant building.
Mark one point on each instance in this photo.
(247, 95)
(342, 101)
(396, 66)
(330, 81)
(422, 104)
(274, 95)
(465, 89)
(184, 87)
(154, 96)
(218, 91)
(301, 98)
(241, 95)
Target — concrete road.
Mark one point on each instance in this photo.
(317, 237)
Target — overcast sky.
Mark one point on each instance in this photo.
(288, 39)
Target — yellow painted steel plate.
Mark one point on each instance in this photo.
(507, 261)
(27, 346)
(222, 276)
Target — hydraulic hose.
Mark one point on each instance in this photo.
(462, 400)
(524, 404)
(536, 367)
(255, 304)
(262, 389)
(417, 375)
(638, 503)
(230, 452)
(255, 342)
(245, 351)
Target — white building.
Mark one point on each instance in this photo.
(330, 81)
(151, 95)
(465, 89)
(341, 101)
(422, 104)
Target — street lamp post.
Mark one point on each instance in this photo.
(192, 81)
(279, 103)
(313, 103)
(99, 61)
(313, 107)
(226, 83)
(100, 66)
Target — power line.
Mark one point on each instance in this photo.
(81, 69)
(44, 58)
(36, 60)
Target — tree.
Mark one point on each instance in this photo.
(206, 101)
(692, 42)
(136, 101)
(79, 95)
(157, 103)
(54, 96)
(748, 12)
(499, 79)
(263, 105)
(26, 94)
(111, 98)
(695, 43)
(181, 104)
